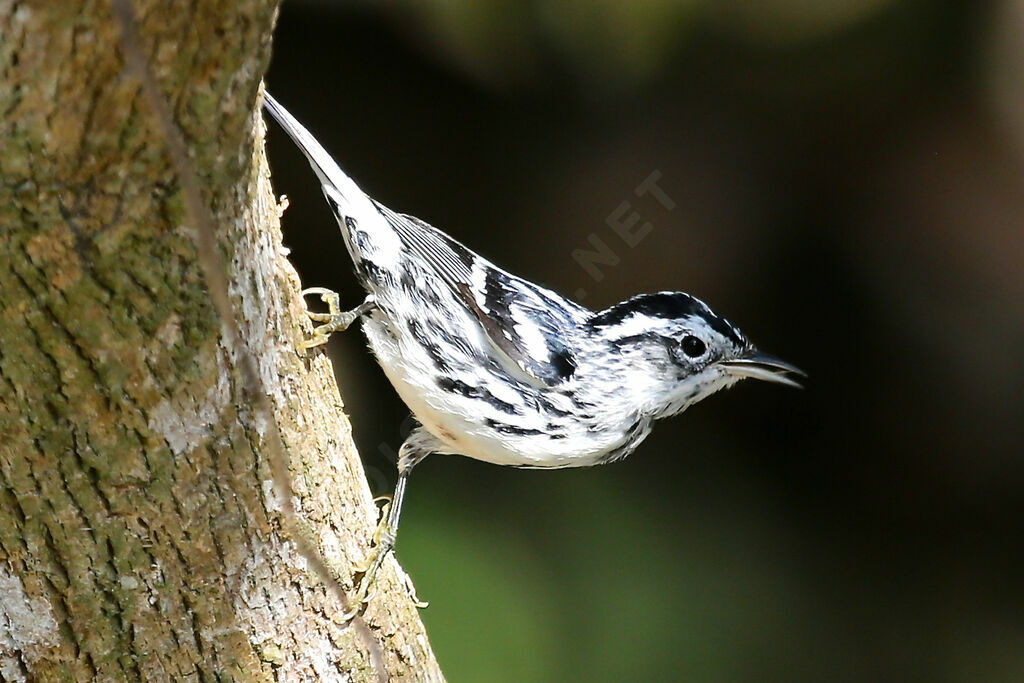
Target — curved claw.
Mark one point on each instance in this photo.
(330, 298)
(314, 341)
(410, 590)
(351, 613)
(322, 291)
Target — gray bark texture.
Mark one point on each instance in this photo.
(145, 532)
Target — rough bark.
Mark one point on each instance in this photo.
(142, 533)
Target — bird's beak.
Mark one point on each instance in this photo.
(762, 366)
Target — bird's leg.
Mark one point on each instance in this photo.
(416, 447)
(335, 319)
(384, 543)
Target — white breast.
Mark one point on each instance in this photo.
(461, 422)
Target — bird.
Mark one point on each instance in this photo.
(500, 369)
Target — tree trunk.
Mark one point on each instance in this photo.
(145, 532)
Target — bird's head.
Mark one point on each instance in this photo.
(673, 351)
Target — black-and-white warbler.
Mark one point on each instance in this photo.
(502, 370)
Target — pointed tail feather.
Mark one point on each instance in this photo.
(352, 207)
(325, 167)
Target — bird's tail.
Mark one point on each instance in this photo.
(368, 235)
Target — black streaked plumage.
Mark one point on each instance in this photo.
(503, 370)
(667, 306)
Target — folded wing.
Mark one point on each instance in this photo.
(530, 328)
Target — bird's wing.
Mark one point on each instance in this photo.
(528, 326)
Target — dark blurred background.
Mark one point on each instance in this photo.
(847, 178)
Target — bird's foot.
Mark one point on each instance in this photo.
(335, 320)
(383, 544)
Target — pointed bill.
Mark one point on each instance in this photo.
(757, 365)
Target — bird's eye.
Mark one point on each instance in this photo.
(693, 347)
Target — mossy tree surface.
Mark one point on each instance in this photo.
(141, 531)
